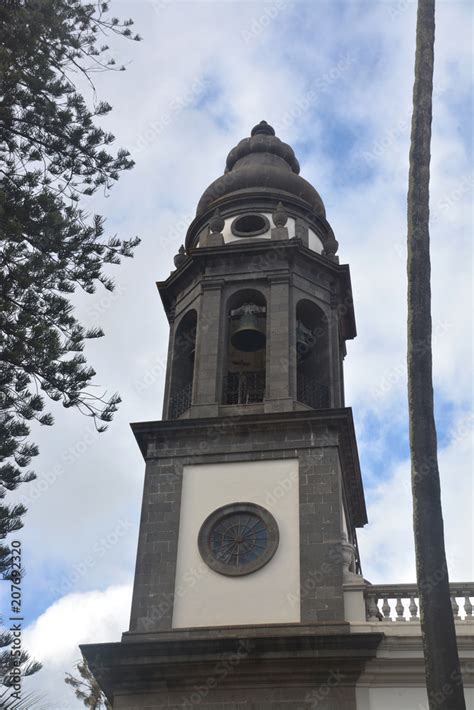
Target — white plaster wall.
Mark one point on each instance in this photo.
(229, 237)
(314, 241)
(400, 698)
(269, 595)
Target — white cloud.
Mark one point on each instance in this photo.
(386, 544)
(53, 639)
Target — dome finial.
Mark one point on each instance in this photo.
(264, 128)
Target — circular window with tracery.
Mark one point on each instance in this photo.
(238, 539)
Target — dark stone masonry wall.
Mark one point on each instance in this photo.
(281, 666)
(319, 446)
(274, 698)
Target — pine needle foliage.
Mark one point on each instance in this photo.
(87, 689)
(53, 155)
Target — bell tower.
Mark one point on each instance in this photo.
(252, 492)
(259, 308)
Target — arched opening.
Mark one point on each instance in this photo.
(312, 347)
(182, 371)
(244, 379)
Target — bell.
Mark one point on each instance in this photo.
(248, 337)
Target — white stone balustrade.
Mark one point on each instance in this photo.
(400, 603)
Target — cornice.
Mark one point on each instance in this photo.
(194, 267)
(155, 439)
(297, 656)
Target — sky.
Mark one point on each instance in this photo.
(335, 79)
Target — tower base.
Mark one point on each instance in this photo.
(288, 667)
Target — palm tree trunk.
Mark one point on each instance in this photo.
(443, 675)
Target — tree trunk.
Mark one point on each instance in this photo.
(443, 675)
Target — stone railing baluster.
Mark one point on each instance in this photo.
(413, 609)
(468, 608)
(455, 607)
(400, 610)
(386, 610)
(372, 608)
(393, 597)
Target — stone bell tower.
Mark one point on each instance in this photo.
(252, 489)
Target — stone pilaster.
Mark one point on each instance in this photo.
(278, 344)
(206, 391)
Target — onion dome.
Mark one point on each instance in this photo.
(265, 164)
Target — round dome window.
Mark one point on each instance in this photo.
(250, 225)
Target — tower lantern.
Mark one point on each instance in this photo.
(260, 297)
